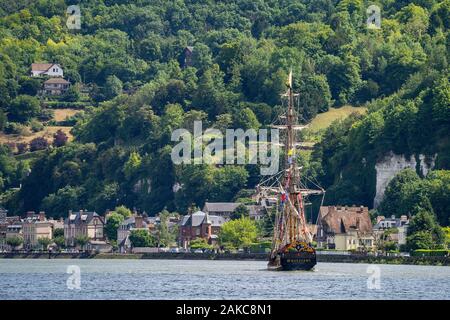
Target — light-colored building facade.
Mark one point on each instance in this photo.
(35, 227)
(56, 86)
(9, 227)
(83, 223)
(399, 224)
(345, 228)
(46, 69)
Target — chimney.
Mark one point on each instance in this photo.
(41, 216)
(30, 214)
(107, 215)
(380, 218)
(70, 213)
(138, 222)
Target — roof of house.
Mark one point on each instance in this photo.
(397, 222)
(216, 221)
(41, 66)
(56, 81)
(312, 228)
(82, 217)
(256, 210)
(220, 206)
(131, 221)
(190, 48)
(198, 218)
(342, 219)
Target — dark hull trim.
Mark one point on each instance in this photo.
(297, 261)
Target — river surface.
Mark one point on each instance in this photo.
(205, 279)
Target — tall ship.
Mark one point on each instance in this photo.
(292, 247)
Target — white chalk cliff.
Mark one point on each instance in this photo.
(390, 165)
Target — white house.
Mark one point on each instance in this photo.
(48, 69)
(401, 224)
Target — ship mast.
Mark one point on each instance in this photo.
(290, 222)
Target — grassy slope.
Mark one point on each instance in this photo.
(323, 120)
(48, 132)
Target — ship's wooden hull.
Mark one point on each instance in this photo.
(294, 260)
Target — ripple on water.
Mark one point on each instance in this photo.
(195, 279)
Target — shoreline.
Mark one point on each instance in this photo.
(330, 258)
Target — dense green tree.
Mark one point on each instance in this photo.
(401, 194)
(424, 229)
(141, 238)
(239, 233)
(72, 94)
(113, 87)
(420, 240)
(315, 95)
(112, 224)
(246, 119)
(44, 242)
(437, 186)
(200, 243)
(59, 232)
(29, 86)
(123, 211)
(23, 108)
(59, 241)
(65, 199)
(240, 212)
(14, 241)
(82, 241)
(166, 237)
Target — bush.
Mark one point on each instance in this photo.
(17, 128)
(46, 115)
(141, 238)
(38, 143)
(59, 138)
(430, 253)
(65, 104)
(36, 126)
(200, 243)
(261, 247)
(22, 147)
(23, 108)
(14, 241)
(72, 94)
